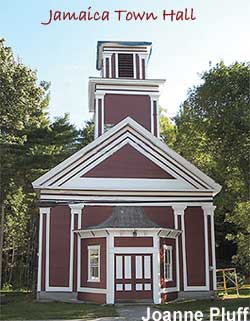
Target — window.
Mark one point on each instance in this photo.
(168, 263)
(94, 263)
(125, 65)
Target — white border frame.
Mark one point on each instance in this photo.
(94, 248)
(168, 248)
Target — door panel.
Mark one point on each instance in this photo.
(133, 277)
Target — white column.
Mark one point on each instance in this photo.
(208, 209)
(104, 67)
(177, 253)
(110, 299)
(47, 212)
(134, 65)
(158, 117)
(75, 209)
(99, 117)
(105, 57)
(116, 66)
(179, 209)
(96, 117)
(152, 114)
(155, 98)
(40, 247)
(156, 271)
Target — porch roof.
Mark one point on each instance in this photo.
(126, 217)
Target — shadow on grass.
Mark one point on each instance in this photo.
(21, 306)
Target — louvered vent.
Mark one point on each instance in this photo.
(125, 65)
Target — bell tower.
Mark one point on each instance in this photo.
(123, 89)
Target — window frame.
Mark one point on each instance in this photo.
(94, 248)
(170, 249)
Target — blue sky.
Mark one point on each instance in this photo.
(64, 52)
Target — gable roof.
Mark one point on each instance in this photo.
(127, 131)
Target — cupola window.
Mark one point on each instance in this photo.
(125, 66)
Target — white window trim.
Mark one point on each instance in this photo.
(170, 248)
(90, 248)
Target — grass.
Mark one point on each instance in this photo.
(231, 302)
(21, 306)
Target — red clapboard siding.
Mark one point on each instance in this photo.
(117, 107)
(164, 216)
(127, 163)
(84, 259)
(59, 246)
(195, 246)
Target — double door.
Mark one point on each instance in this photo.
(133, 277)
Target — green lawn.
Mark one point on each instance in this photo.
(21, 306)
(204, 305)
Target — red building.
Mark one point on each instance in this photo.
(125, 218)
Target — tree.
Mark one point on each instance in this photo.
(23, 106)
(167, 129)
(213, 133)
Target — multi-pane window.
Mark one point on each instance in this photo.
(94, 263)
(168, 263)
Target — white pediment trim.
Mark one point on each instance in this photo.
(143, 140)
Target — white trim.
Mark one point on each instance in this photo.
(124, 92)
(156, 271)
(157, 118)
(205, 193)
(79, 263)
(94, 248)
(213, 251)
(177, 254)
(116, 146)
(195, 204)
(92, 290)
(128, 232)
(169, 290)
(133, 250)
(142, 131)
(104, 67)
(116, 66)
(76, 209)
(40, 249)
(140, 66)
(208, 209)
(179, 209)
(124, 198)
(47, 249)
(102, 109)
(134, 66)
(71, 254)
(170, 249)
(96, 117)
(152, 115)
(110, 66)
(110, 269)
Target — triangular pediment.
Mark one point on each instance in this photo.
(127, 162)
(127, 157)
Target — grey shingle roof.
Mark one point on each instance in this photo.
(127, 217)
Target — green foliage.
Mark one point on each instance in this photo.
(212, 131)
(167, 129)
(31, 144)
(240, 218)
(86, 135)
